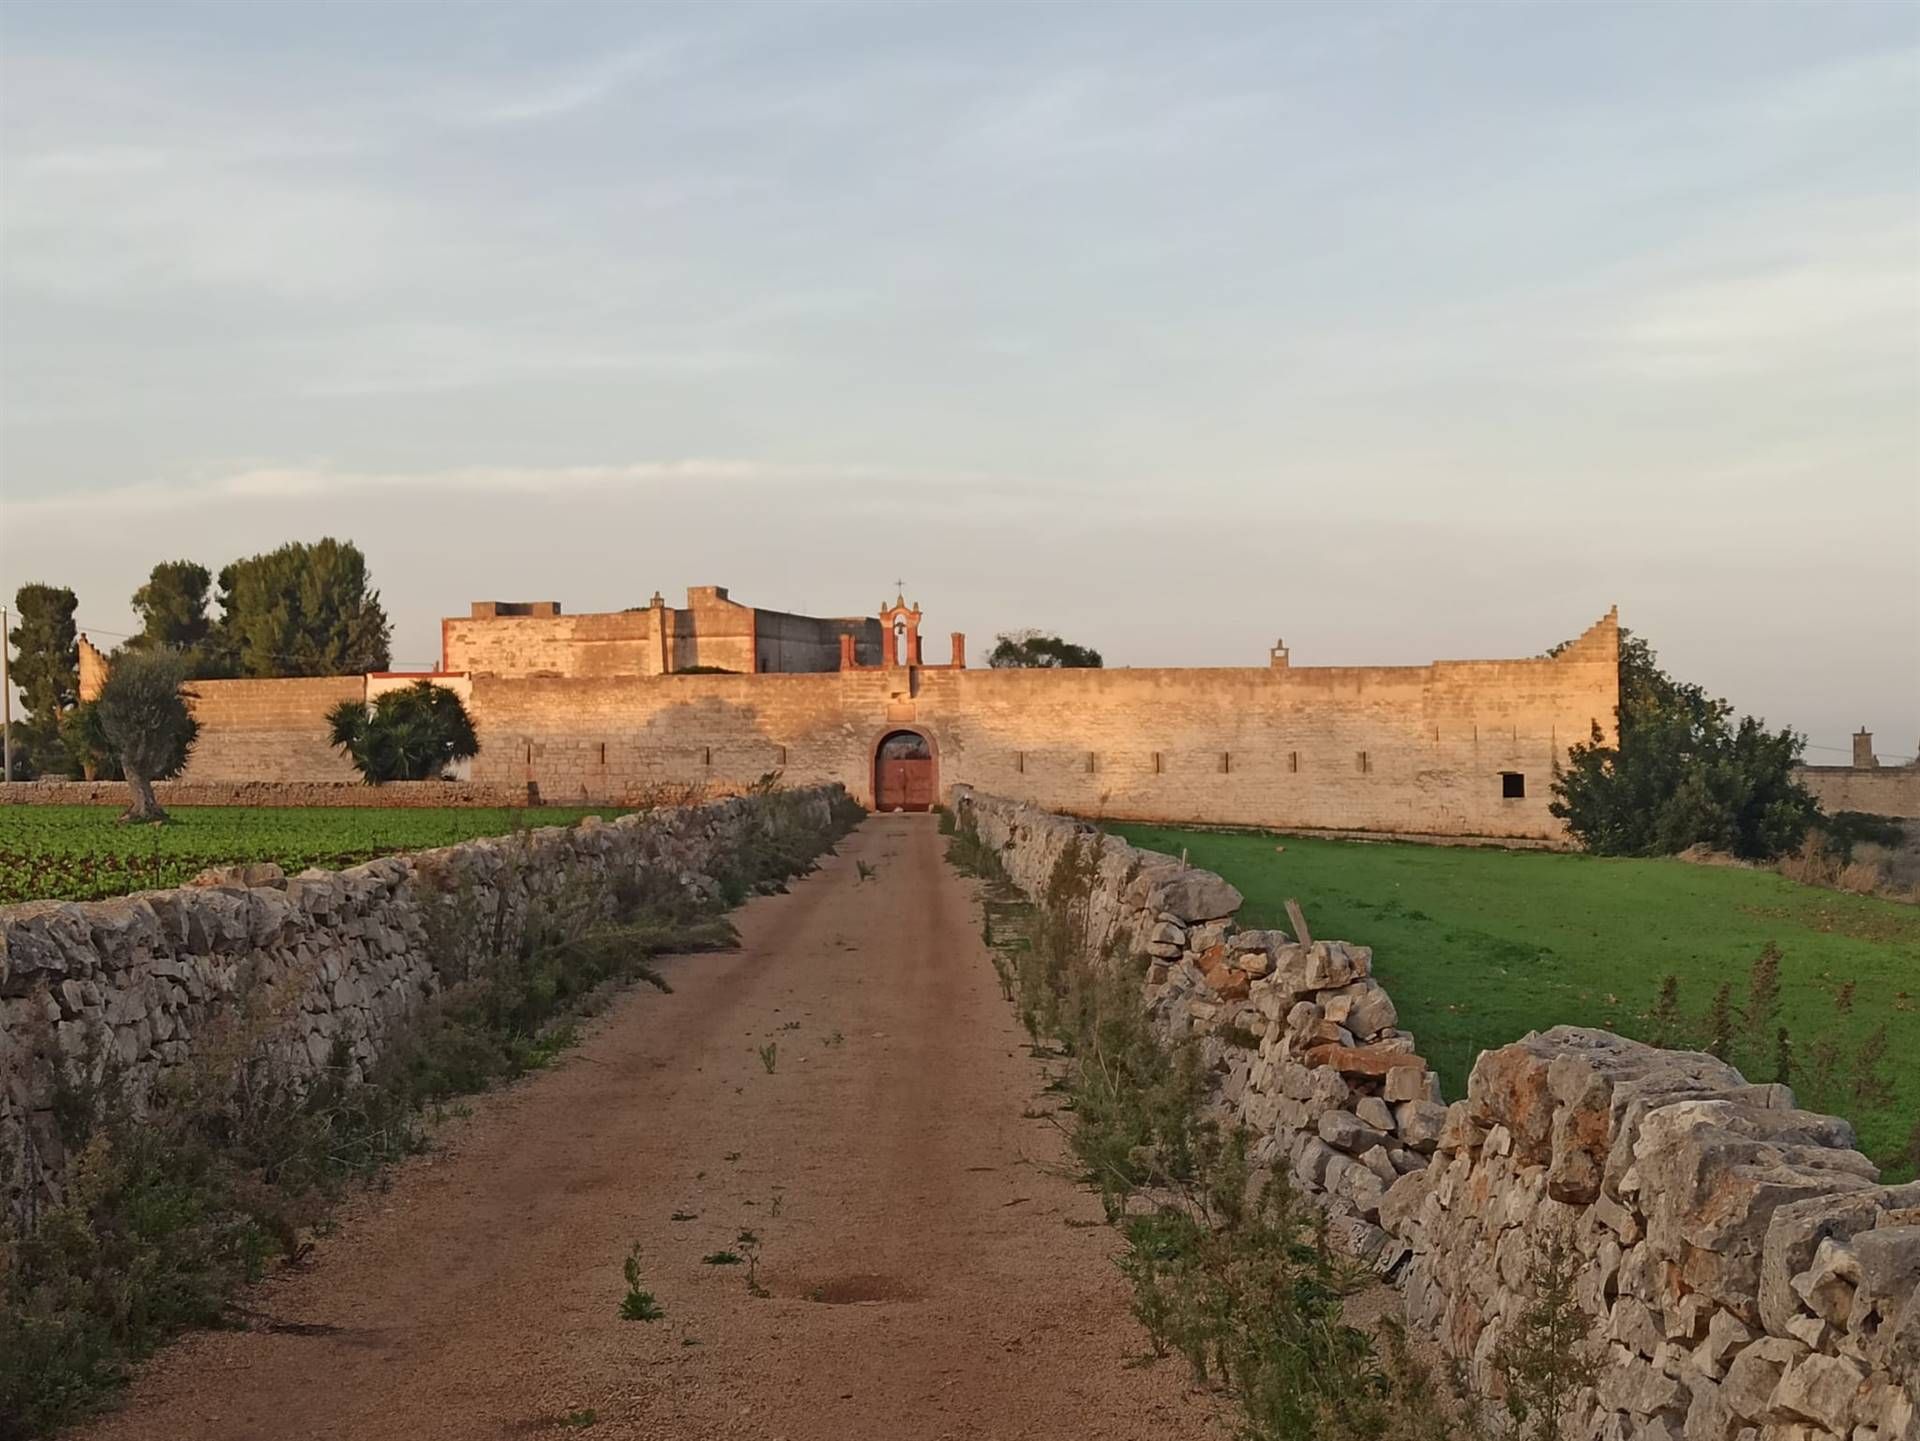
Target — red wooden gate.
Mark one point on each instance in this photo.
(903, 785)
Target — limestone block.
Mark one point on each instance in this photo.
(1825, 1390)
(1885, 1318)
(1373, 1060)
(1755, 1372)
(1631, 1325)
(1374, 1112)
(1421, 1124)
(1401, 1204)
(1406, 1084)
(1348, 1132)
(1196, 895)
(1726, 1335)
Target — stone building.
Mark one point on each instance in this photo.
(1866, 785)
(712, 632)
(611, 707)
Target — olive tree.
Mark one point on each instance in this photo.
(143, 714)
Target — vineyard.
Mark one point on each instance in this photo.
(84, 852)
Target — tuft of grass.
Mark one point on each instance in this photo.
(637, 1304)
(723, 1258)
(770, 1055)
(581, 1419)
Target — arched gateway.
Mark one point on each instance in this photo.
(904, 774)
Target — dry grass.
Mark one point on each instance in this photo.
(1871, 872)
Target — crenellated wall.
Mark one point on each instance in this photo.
(1747, 1276)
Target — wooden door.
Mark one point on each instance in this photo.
(903, 784)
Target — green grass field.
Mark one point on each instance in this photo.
(1478, 947)
(80, 852)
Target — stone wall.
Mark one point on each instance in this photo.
(1424, 750)
(393, 795)
(269, 730)
(1747, 1276)
(1876, 790)
(1455, 749)
(712, 629)
(159, 979)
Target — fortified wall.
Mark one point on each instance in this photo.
(1745, 1274)
(1866, 785)
(154, 980)
(1451, 749)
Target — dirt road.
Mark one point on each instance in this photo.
(932, 1274)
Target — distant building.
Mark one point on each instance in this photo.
(611, 707)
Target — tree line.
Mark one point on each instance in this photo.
(305, 609)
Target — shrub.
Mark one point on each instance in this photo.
(414, 734)
(1682, 773)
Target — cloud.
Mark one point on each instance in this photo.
(287, 483)
(580, 90)
(1859, 297)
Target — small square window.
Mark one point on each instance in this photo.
(1513, 786)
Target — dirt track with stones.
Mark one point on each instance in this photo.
(933, 1274)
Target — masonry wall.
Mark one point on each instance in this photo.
(1409, 750)
(710, 630)
(617, 643)
(785, 642)
(154, 979)
(1746, 1276)
(1878, 791)
(269, 730)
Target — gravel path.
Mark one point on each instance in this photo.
(932, 1273)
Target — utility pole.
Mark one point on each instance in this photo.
(6, 702)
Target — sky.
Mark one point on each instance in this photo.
(1402, 332)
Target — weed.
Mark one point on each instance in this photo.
(749, 1244)
(684, 1216)
(1548, 1352)
(581, 1419)
(722, 1258)
(770, 1055)
(637, 1304)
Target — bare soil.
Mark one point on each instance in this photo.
(932, 1271)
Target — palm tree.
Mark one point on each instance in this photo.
(406, 735)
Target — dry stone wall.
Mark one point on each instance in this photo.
(152, 983)
(1747, 1276)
